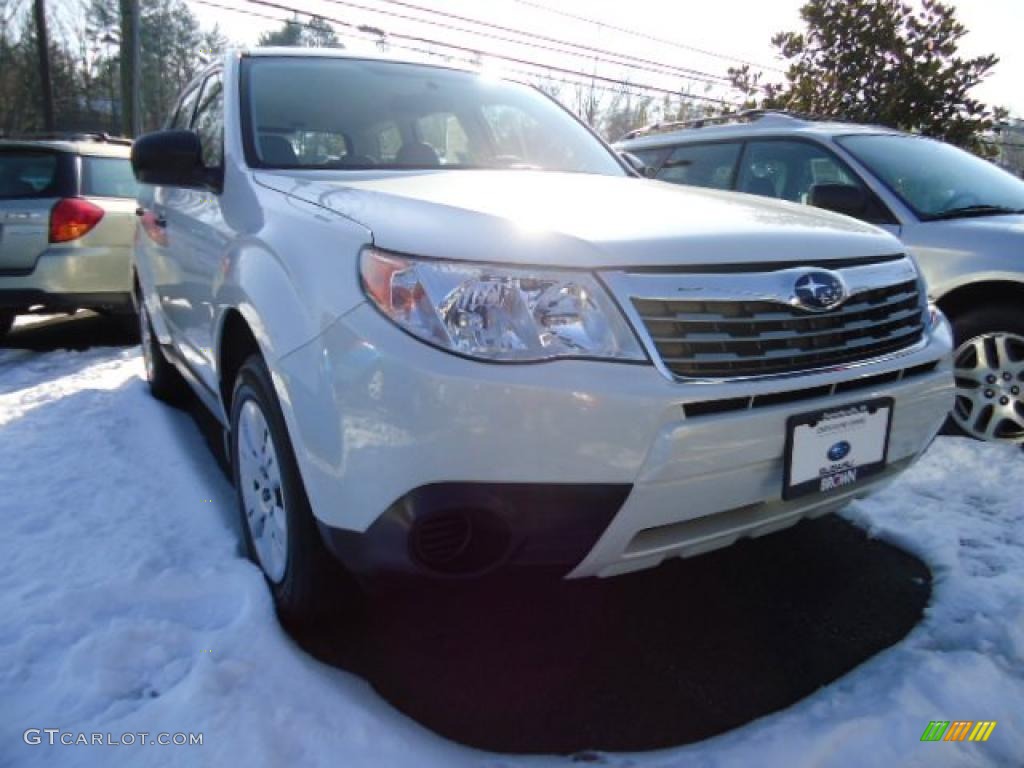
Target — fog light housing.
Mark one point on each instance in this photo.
(459, 541)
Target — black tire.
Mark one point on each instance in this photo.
(6, 321)
(978, 321)
(129, 323)
(314, 587)
(165, 382)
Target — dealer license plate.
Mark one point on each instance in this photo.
(831, 450)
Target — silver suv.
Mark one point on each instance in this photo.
(446, 330)
(962, 217)
(67, 208)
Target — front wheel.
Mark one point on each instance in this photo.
(989, 371)
(277, 523)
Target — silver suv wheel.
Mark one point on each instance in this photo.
(989, 372)
(259, 477)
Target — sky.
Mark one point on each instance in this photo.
(733, 29)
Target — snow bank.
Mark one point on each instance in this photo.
(127, 607)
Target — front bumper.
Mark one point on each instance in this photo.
(699, 475)
(71, 277)
(467, 529)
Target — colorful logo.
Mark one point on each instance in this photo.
(958, 730)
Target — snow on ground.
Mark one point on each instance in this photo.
(127, 607)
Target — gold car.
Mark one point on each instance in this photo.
(67, 210)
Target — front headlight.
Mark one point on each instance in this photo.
(498, 313)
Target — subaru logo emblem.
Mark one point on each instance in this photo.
(839, 451)
(819, 291)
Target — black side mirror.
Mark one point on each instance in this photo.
(840, 198)
(170, 159)
(638, 165)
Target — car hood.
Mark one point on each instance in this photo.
(1010, 224)
(577, 220)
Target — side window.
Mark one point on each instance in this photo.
(209, 122)
(108, 177)
(28, 174)
(787, 170)
(702, 165)
(183, 114)
(652, 158)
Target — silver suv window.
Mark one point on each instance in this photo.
(182, 118)
(374, 114)
(702, 165)
(108, 177)
(934, 179)
(209, 122)
(788, 169)
(26, 173)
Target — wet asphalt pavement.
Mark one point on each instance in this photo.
(532, 663)
(655, 659)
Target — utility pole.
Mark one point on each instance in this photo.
(136, 69)
(131, 107)
(46, 82)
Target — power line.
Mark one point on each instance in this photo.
(647, 36)
(355, 32)
(360, 32)
(255, 14)
(636, 90)
(473, 51)
(583, 49)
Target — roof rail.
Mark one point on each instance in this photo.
(99, 136)
(746, 115)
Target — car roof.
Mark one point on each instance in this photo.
(744, 125)
(98, 145)
(332, 53)
(344, 53)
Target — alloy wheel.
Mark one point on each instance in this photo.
(989, 372)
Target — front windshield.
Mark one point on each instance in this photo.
(937, 180)
(316, 113)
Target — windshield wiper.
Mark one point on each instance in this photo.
(967, 211)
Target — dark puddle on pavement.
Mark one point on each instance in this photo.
(646, 661)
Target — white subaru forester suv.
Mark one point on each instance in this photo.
(447, 331)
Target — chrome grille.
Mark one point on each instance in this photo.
(724, 338)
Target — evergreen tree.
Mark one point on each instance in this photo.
(880, 61)
(317, 33)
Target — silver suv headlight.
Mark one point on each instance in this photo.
(498, 313)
